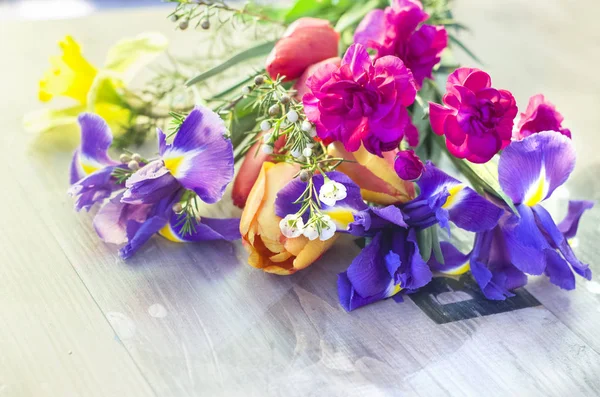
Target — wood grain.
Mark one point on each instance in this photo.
(195, 320)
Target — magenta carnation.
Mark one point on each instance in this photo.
(396, 31)
(477, 120)
(362, 102)
(541, 115)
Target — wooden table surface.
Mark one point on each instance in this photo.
(194, 320)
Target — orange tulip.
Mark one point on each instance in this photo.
(305, 42)
(301, 87)
(269, 249)
(375, 175)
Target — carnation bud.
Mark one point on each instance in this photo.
(124, 158)
(183, 25)
(305, 175)
(133, 165)
(292, 116)
(306, 126)
(259, 80)
(307, 152)
(246, 90)
(274, 110)
(177, 207)
(408, 166)
(285, 99)
(205, 24)
(267, 149)
(136, 157)
(265, 125)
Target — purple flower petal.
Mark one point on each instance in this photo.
(531, 169)
(93, 188)
(208, 229)
(368, 273)
(350, 299)
(569, 225)
(92, 155)
(471, 212)
(455, 262)
(111, 220)
(201, 157)
(150, 184)
(524, 241)
(558, 270)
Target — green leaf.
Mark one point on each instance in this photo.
(355, 14)
(256, 51)
(425, 242)
(435, 245)
(325, 9)
(459, 43)
(129, 56)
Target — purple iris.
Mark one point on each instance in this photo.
(530, 243)
(199, 160)
(392, 262)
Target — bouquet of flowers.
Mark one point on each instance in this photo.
(360, 122)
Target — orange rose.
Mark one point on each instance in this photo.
(376, 177)
(269, 249)
(305, 42)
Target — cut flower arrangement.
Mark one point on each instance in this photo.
(344, 131)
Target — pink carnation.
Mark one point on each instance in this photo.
(396, 31)
(541, 115)
(361, 102)
(477, 120)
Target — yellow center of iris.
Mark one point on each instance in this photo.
(168, 233)
(454, 191)
(341, 217)
(172, 164)
(89, 168)
(536, 195)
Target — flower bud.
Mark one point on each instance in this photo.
(285, 99)
(305, 42)
(292, 116)
(305, 175)
(267, 149)
(174, 18)
(183, 25)
(265, 125)
(307, 152)
(296, 153)
(274, 110)
(133, 165)
(306, 126)
(408, 166)
(136, 157)
(124, 158)
(205, 24)
(246, 90)
(259, 80)
(177, 207)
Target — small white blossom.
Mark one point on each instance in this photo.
(267, 137)
(310, 231)
(265, 125)
(328, 228)
(306, 126)
(312, 132)
(292, 116)
(246, 90)
(291, 226)
(307, 152)
(332, 192)
(267, 149)
(296, 153)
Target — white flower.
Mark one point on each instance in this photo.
(292, 116)
(291, 226)
(306, 126)
(310, 231)
(296, 153)
(267, 137)
(267, 149)
(307, 152)
(265, 125)
(332, 192)
(312, 132)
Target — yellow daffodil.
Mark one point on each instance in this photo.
(96, 90)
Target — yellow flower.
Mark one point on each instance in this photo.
(71, 74)
(99, 91)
